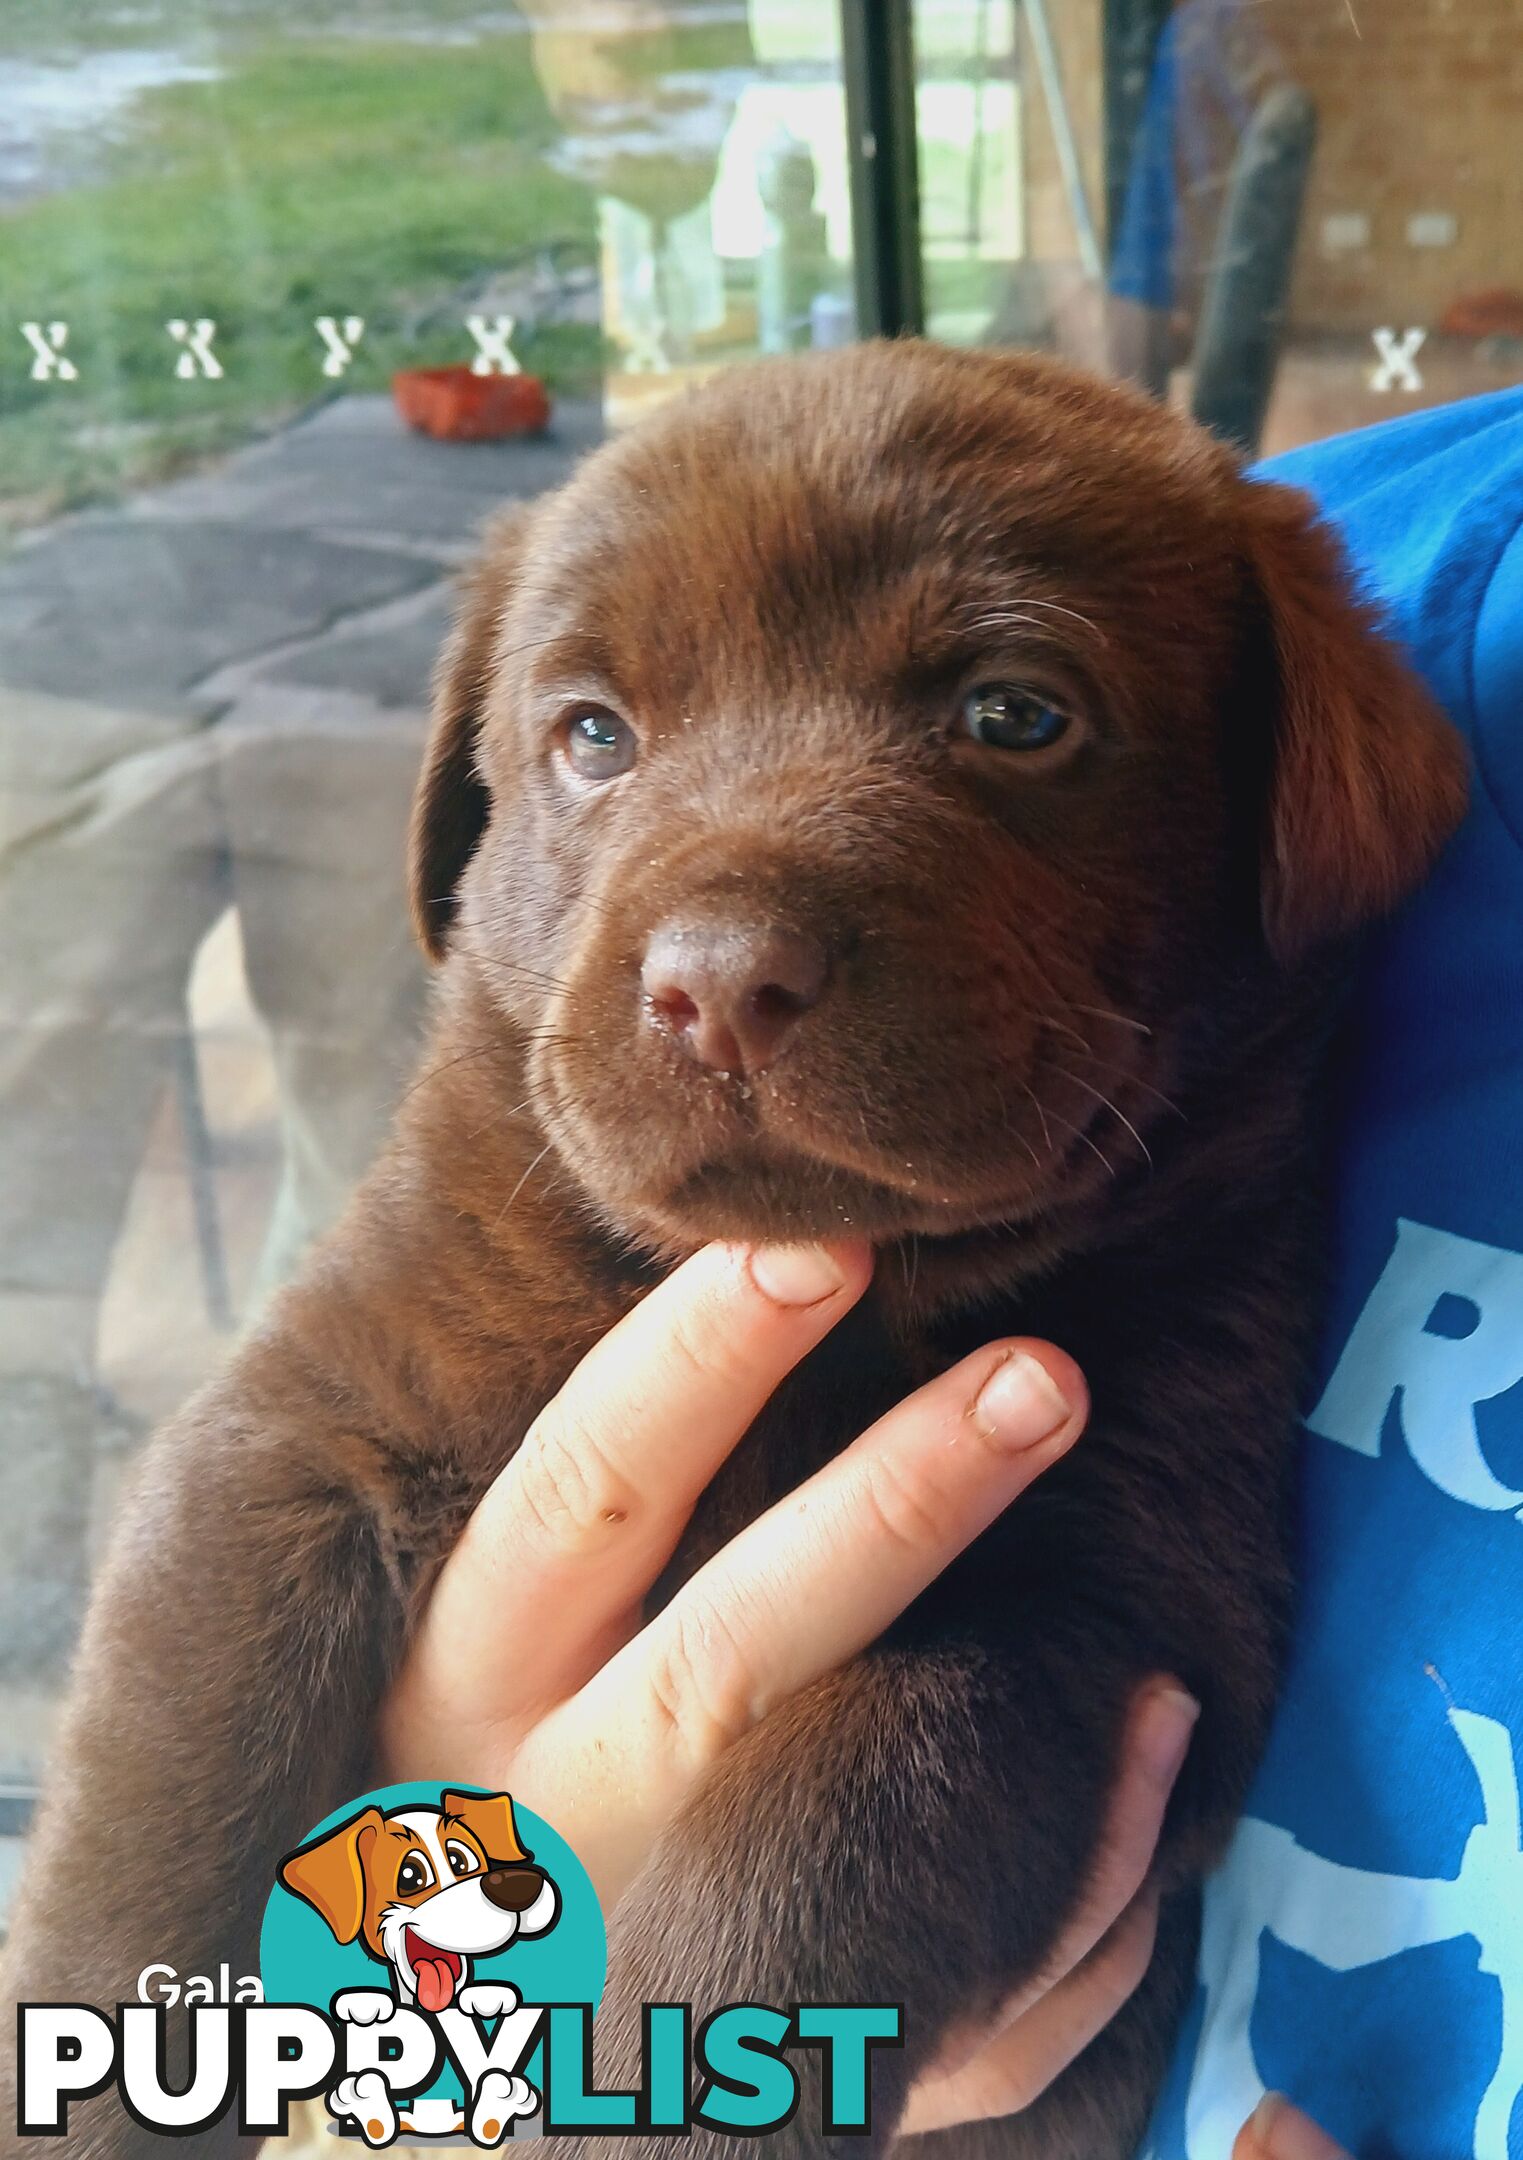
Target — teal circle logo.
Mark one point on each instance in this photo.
(431, 1899)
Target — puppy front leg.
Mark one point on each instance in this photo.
(911, 1831)
(239, 1638)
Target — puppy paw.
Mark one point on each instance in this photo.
(363, 2006)
(500, 2101)
(365, 2100)
(488, 1998)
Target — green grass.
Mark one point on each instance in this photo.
(316, 176)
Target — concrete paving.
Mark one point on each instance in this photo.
(283, 545)
(137, 612)
(352, 468)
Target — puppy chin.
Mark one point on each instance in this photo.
(666, 1184)
(753, 1200)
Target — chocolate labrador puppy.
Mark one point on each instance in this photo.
(919, 794)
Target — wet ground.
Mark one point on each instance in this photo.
(55, 112)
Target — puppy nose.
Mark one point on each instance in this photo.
(512, 1889)
(730, 992)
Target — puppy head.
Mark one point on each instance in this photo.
(423, 1889)
(850, 784)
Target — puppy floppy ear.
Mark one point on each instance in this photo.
(330, 1873)
(1367, 778)
(490, 1821)
(451, 806)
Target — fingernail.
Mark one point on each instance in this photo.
(1020, 1403)
(1168, 1721)
(795, 1274)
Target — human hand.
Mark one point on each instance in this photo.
(1277, 2131)
(1006, 2065)
(604, 1722)
(1013, 2066)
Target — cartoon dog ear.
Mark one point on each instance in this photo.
(330, 1873)
(451, 806)
(490, 1821)
(1367, 778)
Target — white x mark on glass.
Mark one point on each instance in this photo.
(493, 354)
(50, 362)
(1396, 371)
(198, 357)
(645, 350)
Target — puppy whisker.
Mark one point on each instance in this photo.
(1115, 1112)
(1098, 1012)
(500, 1118)
(1062, 1027)
(496, 1221)
(1036, 1103)
(1136, 1080)
(529, 645)
(1056, 607)
(1007, 1126)
(542, 976)
(445, 1065)
(1020, 617)
(1080, 1134)
(547, 1041)
(605, 908)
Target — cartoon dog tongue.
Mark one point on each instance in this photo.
(435, 1978)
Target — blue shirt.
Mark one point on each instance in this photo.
(1212, 63)
(1363, 1943)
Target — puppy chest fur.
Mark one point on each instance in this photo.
(920, 795)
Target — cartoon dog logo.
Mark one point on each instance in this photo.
(424, 1890)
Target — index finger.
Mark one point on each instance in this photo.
(573, 1532)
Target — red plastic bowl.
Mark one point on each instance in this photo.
(456, 405)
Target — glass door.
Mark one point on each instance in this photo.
(293, 294)
(1291, 217)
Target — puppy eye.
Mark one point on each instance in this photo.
(414, 1875)
(599, 745)
(1005, 717)
(461, 1859)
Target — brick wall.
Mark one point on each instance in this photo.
(1420, 111)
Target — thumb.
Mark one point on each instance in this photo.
(1277, 2131)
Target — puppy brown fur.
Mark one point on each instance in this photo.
(1061, 1070)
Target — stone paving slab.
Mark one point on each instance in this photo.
(391, 661)
(136, 613)
(353, 467)
(341, 514)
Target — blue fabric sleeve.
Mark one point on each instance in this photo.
(1142, 263)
